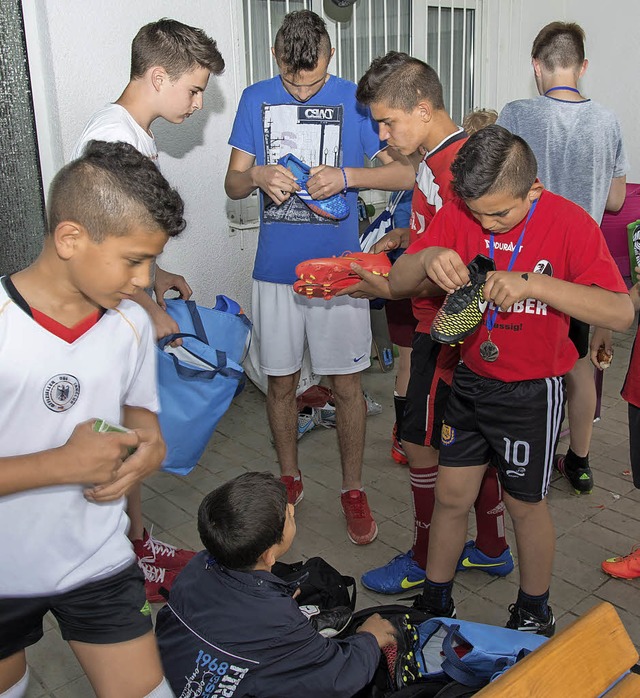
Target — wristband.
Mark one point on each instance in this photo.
(344, 177)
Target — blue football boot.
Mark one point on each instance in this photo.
(335, 207)
(474, 559)
(396, 577)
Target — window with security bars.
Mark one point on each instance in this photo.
(441, 33)
(450, 50)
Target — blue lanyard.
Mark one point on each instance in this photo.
(491, 320)
(563, 87)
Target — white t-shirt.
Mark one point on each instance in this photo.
(52, 539)
(114, 123)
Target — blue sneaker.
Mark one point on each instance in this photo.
(474, 559)
(335, 207)
(396, 577)
(306, 421)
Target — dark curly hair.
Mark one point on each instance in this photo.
(301, 41)
(494, 160)
(174, 46)
(400, 81)
(242, 519)
(111, 188)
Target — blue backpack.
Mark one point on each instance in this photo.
(442, 657)
(471, 653)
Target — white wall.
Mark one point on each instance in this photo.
(79, 52)
(612, 48)
(79, 58)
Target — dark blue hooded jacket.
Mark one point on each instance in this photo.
(233, 634)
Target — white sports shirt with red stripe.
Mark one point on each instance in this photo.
(53, 539)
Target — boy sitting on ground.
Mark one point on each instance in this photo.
(74, 347)
(231, 623)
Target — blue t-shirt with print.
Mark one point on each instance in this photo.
(331, 128)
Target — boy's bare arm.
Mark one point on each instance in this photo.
(415, 275)
(396, 173)
(591, 304)
(244, 176)
(147, 459)
(88, 458)
(617, 194)
(398, 237)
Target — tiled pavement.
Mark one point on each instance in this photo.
(588, 529)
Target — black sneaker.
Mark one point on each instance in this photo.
(581, 479)
(331, 622)
(461, 313)
(523, 620)
(401, 657)
(420, 604)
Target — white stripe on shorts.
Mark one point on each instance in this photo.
(554, 421)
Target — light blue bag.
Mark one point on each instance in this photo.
(198, 381)
(471, 653)
(224, 326)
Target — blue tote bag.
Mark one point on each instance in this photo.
(198, 381)
(224, 325)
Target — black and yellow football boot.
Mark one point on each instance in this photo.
(461, 313)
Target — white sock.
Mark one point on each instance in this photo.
(18, 689)
(162, 690)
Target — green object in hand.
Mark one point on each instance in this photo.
(101, 425)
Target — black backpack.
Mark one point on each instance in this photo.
(320, 584)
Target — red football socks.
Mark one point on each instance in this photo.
(423, 484)
(490, 538)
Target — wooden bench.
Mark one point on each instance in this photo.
(581, 661)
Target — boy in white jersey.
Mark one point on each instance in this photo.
(170, 67)
(73, 348)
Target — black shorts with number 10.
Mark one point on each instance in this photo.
(515, 426)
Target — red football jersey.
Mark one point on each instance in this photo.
(431, 190)
(561, 240)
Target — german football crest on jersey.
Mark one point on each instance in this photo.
(61, 392)
(448, 435)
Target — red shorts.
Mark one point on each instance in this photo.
(401, 321)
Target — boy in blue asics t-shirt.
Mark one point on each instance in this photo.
(306, 112)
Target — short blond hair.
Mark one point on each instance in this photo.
(477, 119)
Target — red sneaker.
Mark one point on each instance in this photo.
(397, 452)
(295, 490)
(161, 554)
(156, 578)
(324, 276)
(627, 567)
(361, 528)
(325, 290)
